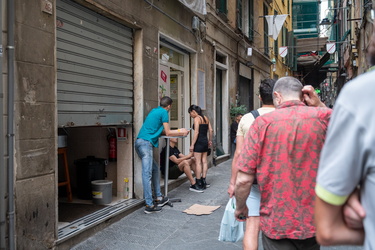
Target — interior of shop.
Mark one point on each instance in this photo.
(95, 170)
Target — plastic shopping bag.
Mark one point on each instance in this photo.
(230, 228)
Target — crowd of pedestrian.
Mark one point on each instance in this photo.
(315, 167)
(302, 173)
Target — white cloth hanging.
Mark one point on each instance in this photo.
(275, 23)
(198, 6)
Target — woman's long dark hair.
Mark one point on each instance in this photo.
(197, 109)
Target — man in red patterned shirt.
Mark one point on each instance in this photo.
(282, 148)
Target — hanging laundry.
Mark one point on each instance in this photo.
(275, 23)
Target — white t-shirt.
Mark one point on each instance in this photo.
(248, 119)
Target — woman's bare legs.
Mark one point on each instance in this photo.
(198, 165)
(204, 165)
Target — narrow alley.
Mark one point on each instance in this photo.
(172, 228)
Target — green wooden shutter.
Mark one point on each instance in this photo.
(276, 44)
(251, 20)
(291, 57)
(265, 35)
(221, 6)
(239, 14)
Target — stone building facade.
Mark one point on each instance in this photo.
(84, 70)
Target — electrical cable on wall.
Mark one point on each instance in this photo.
(164, 13)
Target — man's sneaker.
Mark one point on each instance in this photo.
(196, 188)
(152, 209)
(162, 202)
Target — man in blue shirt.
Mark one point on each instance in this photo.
(148, 137)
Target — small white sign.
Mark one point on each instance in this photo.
(283, 51)
(331, 48)
(249, 51)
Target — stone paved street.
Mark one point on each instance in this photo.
(173, 229)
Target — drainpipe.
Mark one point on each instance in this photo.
(10, 50)
(2, 144)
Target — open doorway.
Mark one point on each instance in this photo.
(219, 113)
(174, 61)
(178, 110)
(88, 156)
(221, 122)
(92, 102)
(246, 92)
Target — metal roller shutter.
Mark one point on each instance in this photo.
(94, 68)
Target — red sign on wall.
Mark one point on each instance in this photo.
(163, 76)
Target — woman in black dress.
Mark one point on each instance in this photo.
(200, 144)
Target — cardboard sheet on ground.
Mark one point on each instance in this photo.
(197, 209)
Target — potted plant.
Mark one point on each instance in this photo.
(234, 110)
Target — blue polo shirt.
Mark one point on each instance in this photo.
(153, 125)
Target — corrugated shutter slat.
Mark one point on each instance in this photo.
(94, 68)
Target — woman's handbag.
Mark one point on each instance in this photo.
(230, 228)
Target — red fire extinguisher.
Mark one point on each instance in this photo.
(112, 147)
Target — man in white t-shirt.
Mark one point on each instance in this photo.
(250, 240)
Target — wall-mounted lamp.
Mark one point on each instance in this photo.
(249, 64)
(195, 23)
(273, 61)
(325, 21)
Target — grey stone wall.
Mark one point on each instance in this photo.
(35, 126)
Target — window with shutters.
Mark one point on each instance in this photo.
(291, 60)
(251, 19)
(265, 35)
(245, 17)
(276, 43)
(221, 7)
(239, 15)
(284, 40)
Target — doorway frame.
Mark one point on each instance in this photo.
(186, 89)
(225, 98)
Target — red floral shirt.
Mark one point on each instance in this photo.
(282, 148)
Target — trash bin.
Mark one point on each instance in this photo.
(101, 192)
(89, 169)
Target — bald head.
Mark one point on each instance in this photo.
(287, 89)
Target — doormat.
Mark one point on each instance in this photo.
(69, 212)
(197, 209)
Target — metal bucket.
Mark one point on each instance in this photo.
(62, 141)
